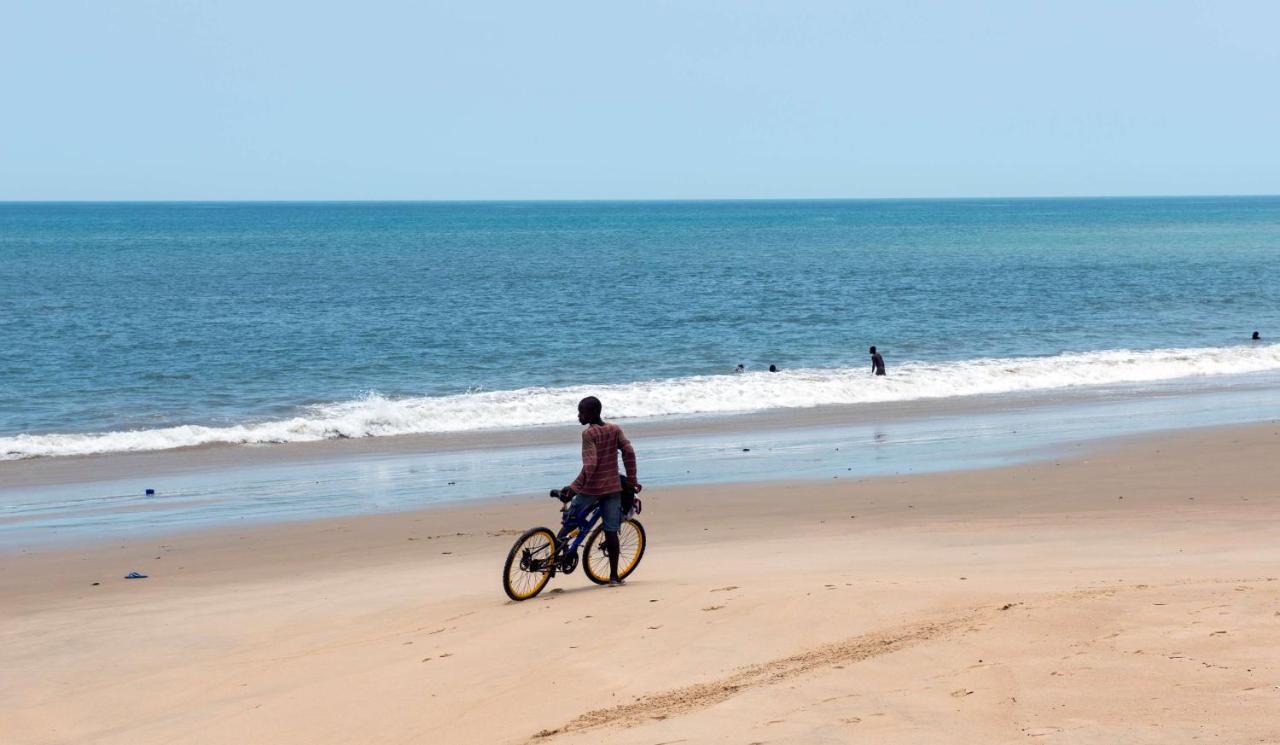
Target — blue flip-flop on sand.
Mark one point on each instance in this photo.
(135, 575)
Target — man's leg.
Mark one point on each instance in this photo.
(580, 503)
(611, 506)
(611, 545)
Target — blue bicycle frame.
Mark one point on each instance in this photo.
(583, 520)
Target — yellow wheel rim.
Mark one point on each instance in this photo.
(525, 584)
(631, 544)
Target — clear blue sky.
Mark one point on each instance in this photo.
(466, 99)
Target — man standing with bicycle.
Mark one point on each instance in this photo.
(598, 481)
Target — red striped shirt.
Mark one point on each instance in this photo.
(600, 446)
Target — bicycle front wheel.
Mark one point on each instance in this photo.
(529, 564)
(631, 544)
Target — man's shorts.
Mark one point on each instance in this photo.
(610, 508)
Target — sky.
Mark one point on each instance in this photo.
(636, 100)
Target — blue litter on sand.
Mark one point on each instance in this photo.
(135, 575)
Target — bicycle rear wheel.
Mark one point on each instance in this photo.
(529, 564)
(631, 545)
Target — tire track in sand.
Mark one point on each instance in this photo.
(678, 701)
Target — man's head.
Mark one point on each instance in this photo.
(589, 410)
(873, 350)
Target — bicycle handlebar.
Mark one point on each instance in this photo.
(564, 495)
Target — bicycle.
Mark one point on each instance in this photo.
(538, 554)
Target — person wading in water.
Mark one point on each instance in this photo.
(598, 481)
(877, 362)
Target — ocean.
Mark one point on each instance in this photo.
(146, 326)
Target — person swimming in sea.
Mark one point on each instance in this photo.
(1257, 336)
(877, 362)
(740, 368)
(773, 368)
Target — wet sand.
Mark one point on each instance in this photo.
(1130, 593)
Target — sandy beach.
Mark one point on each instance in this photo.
(1130, 593)
(947, 355)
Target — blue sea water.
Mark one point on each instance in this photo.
(144, 326)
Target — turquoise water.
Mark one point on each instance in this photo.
(145, 326)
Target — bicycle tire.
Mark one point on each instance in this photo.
(595, 560)
(513, 576)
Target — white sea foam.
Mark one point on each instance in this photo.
(375, 415)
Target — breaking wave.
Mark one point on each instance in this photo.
(375, 415)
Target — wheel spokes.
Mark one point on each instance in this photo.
(527, 576)
(628, 552)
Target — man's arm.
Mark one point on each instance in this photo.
(588, 463)
(628, 459)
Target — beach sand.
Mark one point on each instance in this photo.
(1128, 593)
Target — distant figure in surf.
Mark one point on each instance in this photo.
(773, 368)
(1257, 336)
(740, 368)
(877, 362)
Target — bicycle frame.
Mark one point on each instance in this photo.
(575, 527)
(584, 522)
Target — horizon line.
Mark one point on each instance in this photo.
(634, 200)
